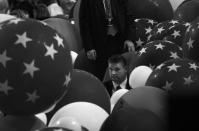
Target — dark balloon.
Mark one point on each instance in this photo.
(20, 123)
(187, 11)
(159, 10)
(131, 119)
(35, 67)
(85, 87)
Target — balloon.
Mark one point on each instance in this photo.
(85, 87)
(155, 52)
(187, 11)
(68, 31)
(139, 76)
(54, 129)
(42, 117)
(5, 17)
(159, 10)
(190, 44)
(87, 114)
(20, 123)
(116, 96)
(74, 56)
(171, 30)
(144, 27)
(177, 76)
(35, 67)
(145, 97)
(67, 122)
(131, 119)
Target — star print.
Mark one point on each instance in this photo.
(4, 87)
(193, 66)
(143, 50)
(59, 40)
(32, 97)
(160, 66)
(159, 46)
(176, 33)
(30, 68)
(23, 39)
(15, 21)
(190, 43)
(173, 67)
(174, 22)
(188, 81)
(168, 86)
(160, 30)
(4, 58)
(67, 79)
(174, 55)
(151, 22)
(139, 42)
(149, 37)
(50, 51)
(148, 30)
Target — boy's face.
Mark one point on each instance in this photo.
(117, 72)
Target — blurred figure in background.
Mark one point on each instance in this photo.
(4, 6)
(42, 12)
(118, 71)
(105, 29)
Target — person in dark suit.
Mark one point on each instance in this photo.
(105, 29)
(118, 71)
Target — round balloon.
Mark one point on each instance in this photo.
(145, 97)
(190, 44)
(155, 52)
(68, 122)
(131, 119)
(35, 67)
(20, 123)
(176, 76)
(144, 27)
(159, 10)
(87, 114)
(139, 76)
(68, 31)
(84, 87)
(187, 11)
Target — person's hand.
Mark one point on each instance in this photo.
(91, 54)
(129, 45)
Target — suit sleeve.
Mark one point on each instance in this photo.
(84, 20)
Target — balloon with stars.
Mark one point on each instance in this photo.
(155, 52)
(191, 42)
(35, 67)
(176, 75)
(172, 30)
(144, 27)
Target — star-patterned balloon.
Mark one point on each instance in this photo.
(171, 30)
(144, 27)
(155, 52)
(191, 42)
(35, 67)
(180, 75)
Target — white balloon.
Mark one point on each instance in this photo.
(139, 76)
(175, 4)
(89, 115)
(4, 17)
(68, 123)
(116, 96)
(42, 117)
(74, 56)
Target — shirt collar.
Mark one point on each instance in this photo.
(122, 85)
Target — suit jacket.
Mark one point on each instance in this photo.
(93, 26)
(109, 86)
